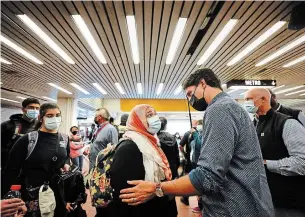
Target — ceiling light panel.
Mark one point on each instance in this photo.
(59, 88)
(300, 91)
(41, 34)
(4, 61)
(50, 99)
(257, 42)
(140, 89)
(21, 97)
(176, 40)
(178, 90)
(79, 88)
(120, 89)
(289, 89)
(19, 49)
(99, 88)
(218, 40)
(133, 39)
(89, 38)
(294, 62)
(282, 50)
(231, 91)
(160, 88)
(275, 88)
(9, 100)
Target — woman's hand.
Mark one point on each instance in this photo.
(10, 207)
(141, 193)
(69, 208)
(66, 168)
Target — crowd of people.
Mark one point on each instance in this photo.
(234, 165)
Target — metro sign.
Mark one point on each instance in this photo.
(247, 84)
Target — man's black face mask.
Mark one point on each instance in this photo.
(198, 104)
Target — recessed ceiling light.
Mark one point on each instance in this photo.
(59, 88)
(289, 89)
(224, 86)
(296, 61)
(178, 90)
(140, 90)
(80, 88)
(20, 97)
(41, 34)
(81, 109)
(303, 94)
(176, 39)
(4, 61)
(231, 91)
(9, 100)
(120, 89)
(132, 31)
(282, 50)
(160, 87)
(257, 42)
(278, 87)
(218, 40)
(300, 91)
(89, 38)
(99, 88)
(19, 49)
(45, 97)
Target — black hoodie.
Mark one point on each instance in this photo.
(11, 131)
(170, 148)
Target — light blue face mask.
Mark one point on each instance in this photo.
(52, 123)
(250, 107)
(32, 113)
(154, 124)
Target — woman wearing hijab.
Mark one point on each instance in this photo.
(140, 157)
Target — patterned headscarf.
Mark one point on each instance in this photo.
(155, 162)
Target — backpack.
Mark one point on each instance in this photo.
(99, 184)
(33, 138)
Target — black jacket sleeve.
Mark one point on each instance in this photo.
(14, 163)
(177, 155)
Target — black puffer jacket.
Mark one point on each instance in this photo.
(170, 148)
(11, 131)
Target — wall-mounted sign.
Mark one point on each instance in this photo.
(246, 84)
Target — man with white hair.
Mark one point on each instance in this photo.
(282, 141)
(105, 134)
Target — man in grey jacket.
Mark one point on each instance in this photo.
(104, 135)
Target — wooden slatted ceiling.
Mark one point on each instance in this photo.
(156, 23)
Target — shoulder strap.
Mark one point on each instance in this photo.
(33, 137)
(98, 131)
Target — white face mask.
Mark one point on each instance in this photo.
(154, 124)
(250, 107)
(199, 128)
(52, 123)
(32, 113)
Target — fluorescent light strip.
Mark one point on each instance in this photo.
(59, 88)
(4, 61)
(303, 94)
(160, 87)
(282, 50)
(79, 88)
(45, 97)
(99, 88)
(20, 97)
(19, 50)
(257, 42)
(140, 90)
(41, 34)
(242, 93)
(300, 91)
(176, 40)
(224, 86)
(294, 62)
(278, 87)
(83, 110)
(9, 100)
(132, 30)
(89, 38)
(289, 89)
(218, 40)
(178, 90)
(231, 91)
(120, 89)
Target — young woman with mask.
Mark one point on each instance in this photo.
(49, 157)
(139, 157)
(76, 145)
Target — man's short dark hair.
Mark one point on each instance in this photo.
(208, 75)
(29, 101)
(72, 128)
(111, 120)
(163, 123)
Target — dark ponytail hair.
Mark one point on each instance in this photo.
(43, 110)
